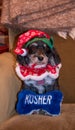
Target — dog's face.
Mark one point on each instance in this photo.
(38, 54)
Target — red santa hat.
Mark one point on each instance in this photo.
(26, 37)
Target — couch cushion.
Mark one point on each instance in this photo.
(9, 85)
(66, 49)
(66, 121)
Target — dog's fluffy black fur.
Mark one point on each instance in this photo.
(42, 52)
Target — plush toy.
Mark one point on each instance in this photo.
(38, 65)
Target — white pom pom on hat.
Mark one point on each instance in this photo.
(22, 52)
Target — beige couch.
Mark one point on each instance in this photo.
(10, 85)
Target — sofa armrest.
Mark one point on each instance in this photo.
(66, 121)
(9, 85)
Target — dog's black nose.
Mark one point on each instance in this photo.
(40, 58)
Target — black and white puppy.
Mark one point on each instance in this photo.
(39, 53)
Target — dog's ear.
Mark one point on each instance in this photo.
(23, 60)
(54, 58)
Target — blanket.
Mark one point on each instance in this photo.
(55, 16)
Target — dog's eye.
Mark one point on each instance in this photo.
(32, 49)
(47, 51)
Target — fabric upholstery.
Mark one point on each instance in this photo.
(9, 86)
(66, 50)
(66, 121)
(41, 14)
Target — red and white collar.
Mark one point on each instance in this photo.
(26, 72)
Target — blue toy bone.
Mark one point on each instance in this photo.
(50, 102)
